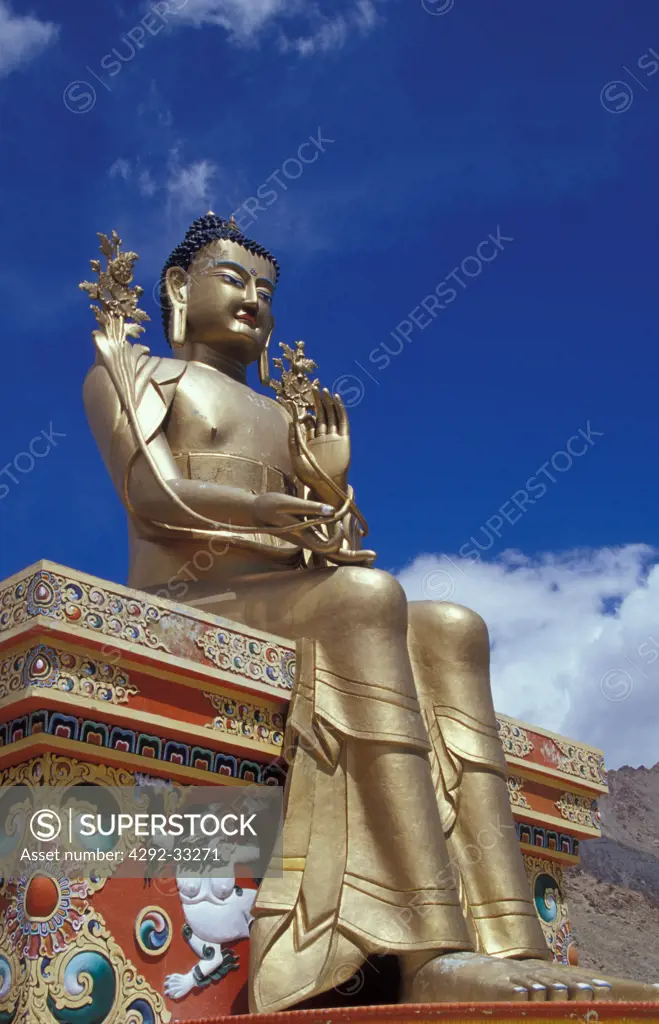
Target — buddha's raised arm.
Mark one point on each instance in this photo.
(321, 449)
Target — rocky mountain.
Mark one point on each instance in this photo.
(613, 897)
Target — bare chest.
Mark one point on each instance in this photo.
(216, 415)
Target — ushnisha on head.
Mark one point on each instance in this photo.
(217, 289)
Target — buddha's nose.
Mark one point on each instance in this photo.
(251, 299)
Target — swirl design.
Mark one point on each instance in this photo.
(153, 931)
(92, 975)
(547, 896)
(5, 977)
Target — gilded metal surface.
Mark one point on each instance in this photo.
(143, 409)
(397, 789)
(295, 385)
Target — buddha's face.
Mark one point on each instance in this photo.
(228, 295)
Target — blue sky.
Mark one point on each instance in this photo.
(450, 122)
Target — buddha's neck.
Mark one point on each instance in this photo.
(199, 352)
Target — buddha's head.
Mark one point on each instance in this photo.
(217, 289)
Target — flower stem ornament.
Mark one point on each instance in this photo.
(118, 301)
(295, 387)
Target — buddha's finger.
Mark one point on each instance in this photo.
(302, 507)
(310, 429)
(286, 510)
(361, 555)
(341, 415)
(321, 421)
(329, 411)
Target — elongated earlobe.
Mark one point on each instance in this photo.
(264, 364)
(176, 281)
(177, 324)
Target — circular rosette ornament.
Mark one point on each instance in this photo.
(45, 914)
(547, 897)
(153, 931)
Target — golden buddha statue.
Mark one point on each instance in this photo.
(398, 774)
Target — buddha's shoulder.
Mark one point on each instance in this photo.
(159, 369)
(164, 373)
(169, 371)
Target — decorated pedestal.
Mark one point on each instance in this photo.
(553, 784)
(104, 685)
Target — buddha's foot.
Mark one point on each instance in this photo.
(472, 977)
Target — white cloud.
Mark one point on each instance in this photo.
(188, 185)
(332, 33)
(366, 15)
(575, 639)
(146, 184)
(134, 172)
(241, 19)
(22, 37)
(120, 169)
(245, 21)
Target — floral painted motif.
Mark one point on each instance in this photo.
(582, 810)
(515, 791)
(45, 913)
(237, 718)
(256, 660)
(515, 739)
(50, 668)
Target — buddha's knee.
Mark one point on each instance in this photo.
(449, 628)
(450, 650)
(368, 597)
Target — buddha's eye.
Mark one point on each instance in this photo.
(266, 296)
(230, 279)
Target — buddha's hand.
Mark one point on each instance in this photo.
(323, 446)
(287, 510)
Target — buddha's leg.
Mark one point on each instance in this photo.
(364, 847)
(450, 653)
(449, 650)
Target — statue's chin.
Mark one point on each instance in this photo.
(241, 345)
